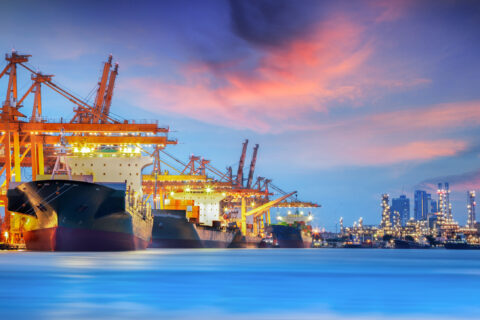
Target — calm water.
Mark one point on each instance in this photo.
(240, 284)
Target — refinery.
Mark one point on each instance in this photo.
(432, 227)
(87, 191)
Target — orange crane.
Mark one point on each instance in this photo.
(252, 167)
(109, 94)
(241, 164)
(29, 142)
(101, 90)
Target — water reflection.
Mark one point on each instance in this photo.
(264, 284)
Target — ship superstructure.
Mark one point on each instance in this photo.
(32, 141)
(98, 206)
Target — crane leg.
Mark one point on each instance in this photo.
(244, 218)
(16, 157)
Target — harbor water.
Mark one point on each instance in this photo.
(241, 284)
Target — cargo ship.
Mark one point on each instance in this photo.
(98, 206)
(171, 229)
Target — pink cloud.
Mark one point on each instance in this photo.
(286, 85)
(459, 183)
(411, 135)
(411, 151)
(391, 10)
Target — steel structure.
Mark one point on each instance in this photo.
(30, 141)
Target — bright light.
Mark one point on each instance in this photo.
(310, 218)
(301, 212)
(289, 212)
(208, 189)
(253, 204)
(6, 235)
(172, 193)
(187, 189)
(224, 194)
(279, 218)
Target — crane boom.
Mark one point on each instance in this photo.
(241, 164)
(269, 204)
(252, 166)
(101, 89)
(109, 94)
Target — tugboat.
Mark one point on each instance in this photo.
(91, 202)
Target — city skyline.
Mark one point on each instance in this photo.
(345, 104)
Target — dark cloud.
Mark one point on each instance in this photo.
(459, 182)
(272, 22)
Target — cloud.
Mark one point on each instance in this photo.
(460, 182)
(410, 135)
(266, 90)
(271, 22)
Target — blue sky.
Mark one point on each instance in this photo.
(348, 100)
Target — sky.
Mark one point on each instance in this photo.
(347, 99)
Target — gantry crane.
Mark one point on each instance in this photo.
(190, 179)
(27, 142)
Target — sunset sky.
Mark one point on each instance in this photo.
(347, 99)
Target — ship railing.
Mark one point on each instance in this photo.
(44, 119)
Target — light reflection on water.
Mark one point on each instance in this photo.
(263, 284)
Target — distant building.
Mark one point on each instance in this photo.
(386, 223)
(402, 206)
(421, 204)
(433, 206)
(471, 204)
(444, 205)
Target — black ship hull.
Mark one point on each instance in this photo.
(79, 216)
(461, 246)
(172, 230)
(405, 244)
(286, 236)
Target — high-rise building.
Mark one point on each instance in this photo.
(402, 206)
(386, 223)
(471, 204)
(421, 204)
(444, 205)
(433, 206)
